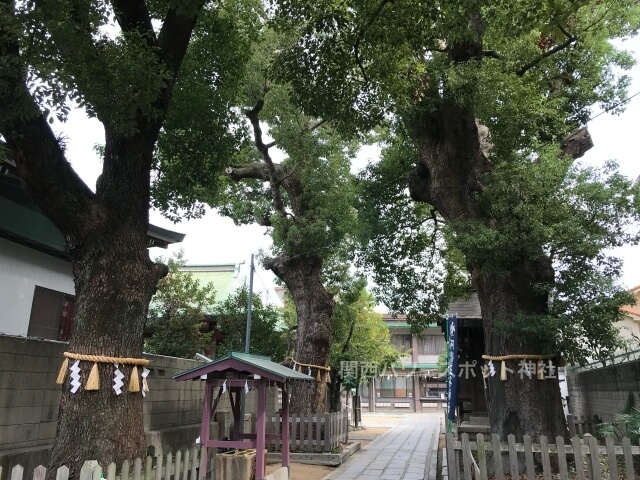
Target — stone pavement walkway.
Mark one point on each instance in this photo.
(407, 452)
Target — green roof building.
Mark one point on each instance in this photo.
(226, 278)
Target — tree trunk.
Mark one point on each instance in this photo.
(335, 388)
(115, 281)
(520, 405)
(106, 231)
(450, 172)
(314, 308)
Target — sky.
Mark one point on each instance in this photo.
(215, 239)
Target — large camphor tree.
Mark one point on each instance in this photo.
(485, 94)
(297, 184)
(119, 60)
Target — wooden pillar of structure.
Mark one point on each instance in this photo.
(205, 428)
(285, 427)
(237, 373)
(261, 430)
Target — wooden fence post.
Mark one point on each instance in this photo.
(318, 422)
(497, 455)
(546, 461)
(17, 472)
(594, 459)
(309, 421)
(482, 456)
(562, 458)
(466, 457)
(611, 457)
(62, 473)
(572, 426)
(452, 464)
(528, 457)
(577, 455)
(628, 459)
(513, 456)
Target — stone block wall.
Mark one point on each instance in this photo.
(30, 397)
(604, 391)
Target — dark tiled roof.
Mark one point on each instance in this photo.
(465, 307)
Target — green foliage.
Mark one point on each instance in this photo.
(204, 127)
(403, 244)
(116, 77)
(267, 332)
(177, 312)
(573, 214)
(442, 360)
(627, 422)
(319, 200)
(541, 68)
(355, 61)
(359, 334)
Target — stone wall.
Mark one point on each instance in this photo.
(604, 391)
(29, 400)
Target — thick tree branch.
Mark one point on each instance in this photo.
(172, 44)
(40, 161)
(175, 34)
(263, 221)
(567, 43)
(171, 47)
(256, 171)
(314, 125)
(577, 143)
(492, 54)
(436, 229)
(134, 15)
(347, 342)
(274, 178)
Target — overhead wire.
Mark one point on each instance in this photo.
(269, 297)
(617, 104)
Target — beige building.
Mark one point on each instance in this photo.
(629, 327)
(415, 385)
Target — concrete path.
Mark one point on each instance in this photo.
(407, 452)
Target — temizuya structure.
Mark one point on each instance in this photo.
(234, 373)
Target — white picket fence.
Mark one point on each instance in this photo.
(183, 465)
(476, 459)
(310, 433)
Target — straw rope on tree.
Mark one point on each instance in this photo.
(93, 382)
(518, 356)
(318, 368)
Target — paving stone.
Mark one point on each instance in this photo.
(401, 454)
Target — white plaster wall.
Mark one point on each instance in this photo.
(628, 328)
(21, 269)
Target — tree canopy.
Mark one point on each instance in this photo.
(359, 333)
(177, 313)
(268, 335)
(404, 244)
(539, 69)
(121, 62)
(290, 174)
(491, 97)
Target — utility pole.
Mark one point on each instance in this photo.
(247, 339)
